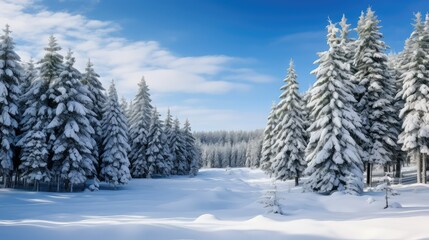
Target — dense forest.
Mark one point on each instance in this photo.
(365, 109)
(220, 149)
(59, 127)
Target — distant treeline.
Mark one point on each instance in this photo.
(230, 148)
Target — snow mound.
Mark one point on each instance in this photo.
(260, 219)
(206, 218)
(370, 200)
(395, 205)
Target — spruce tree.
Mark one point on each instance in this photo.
(415, 93)
(10, 73)
(139, 122)
(125, 107)
(178, 150)
(30, 74)
(91, 80)
(290, 138)
(268, 141)
(196, 163)
(157, 153)
(114, 160)
(33, 138)
(376, 103)
(334, 162)
(399, 156)
(170, 139)
(50, 67)
(191, 158)
(72, 147)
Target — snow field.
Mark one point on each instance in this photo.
(217, 204)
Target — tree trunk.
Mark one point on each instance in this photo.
(58, 183)
(418, 166)
(424, 168)
(369, 174)
(37, 186)
(398, 168)
(296, 180)
(387, 200)
(16, 181)
(71, 187)
(4, 180)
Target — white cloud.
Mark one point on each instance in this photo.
(118, 58)
(302, 36)
(203, 118)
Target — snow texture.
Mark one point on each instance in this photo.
(214, 205)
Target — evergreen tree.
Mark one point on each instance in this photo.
(72, 148)
(332, 153)
(115, 164)
(30, 74)
(157, 155)
(290, 138)
(415, 93)
(375, 103)
(267, 145)
(125, 107)
(178, 150)
(168, 126)
(170, 139)
(140, 119)
(399, 156)
(50, 67)
(191, 158)
(196, 164)
(91, 80)
(34, 155)
(10, 73)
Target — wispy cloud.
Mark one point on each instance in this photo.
(118, 58)
(302, 36)
(203, 118)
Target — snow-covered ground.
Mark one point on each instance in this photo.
(217, 204)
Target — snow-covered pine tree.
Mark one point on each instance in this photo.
(178, 150)
(191, 158)
(375, 103)
(10, 73)
(158, 160)
(399, 156)
(34, 155)
(115, 164)
(170, 139)
(290, 142)
(34, 135)
(91, 80)
(348, 43)
(196, 164)
(124, 105)
(50, 67)
(126, 110)
(139, 122)
(268, 141)
(415, 93)
(72, 148)
(332, 152)
(30, 74)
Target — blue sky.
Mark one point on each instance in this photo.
(219, 63)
